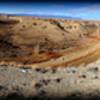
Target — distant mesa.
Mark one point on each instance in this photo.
(43, 16)
(49, 16)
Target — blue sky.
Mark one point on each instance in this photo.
(80, 10)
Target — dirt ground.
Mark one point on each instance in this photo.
(76, 82)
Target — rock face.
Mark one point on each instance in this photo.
(47, 42)
(28, 44)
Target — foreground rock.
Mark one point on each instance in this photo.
(48, 42)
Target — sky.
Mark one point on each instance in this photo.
(77, 10)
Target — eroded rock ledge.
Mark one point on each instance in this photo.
(48, 42)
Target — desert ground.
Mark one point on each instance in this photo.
(49, 57)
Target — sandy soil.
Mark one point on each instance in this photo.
(82, 81)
